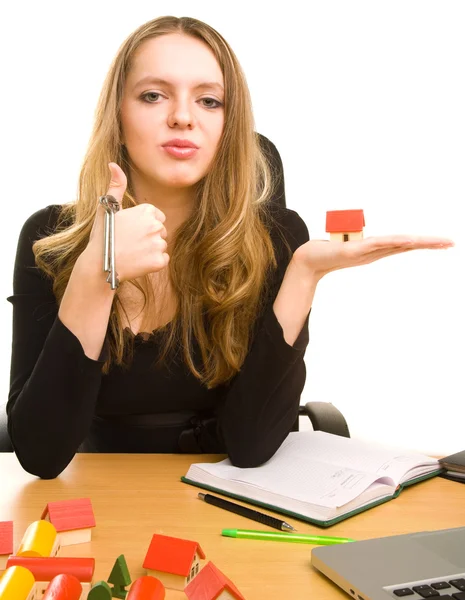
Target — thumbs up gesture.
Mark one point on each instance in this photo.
(140, 235)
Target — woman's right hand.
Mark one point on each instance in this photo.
(140, 236)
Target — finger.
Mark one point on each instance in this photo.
(408, 241)
(374, 255)
(118, 182)
(116, 188)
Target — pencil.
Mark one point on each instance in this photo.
(238, 509)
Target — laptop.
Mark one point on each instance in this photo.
(427, 564)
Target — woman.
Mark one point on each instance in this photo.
(200, 346)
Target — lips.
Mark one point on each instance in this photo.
(180, 143)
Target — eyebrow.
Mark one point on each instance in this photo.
(158, 81)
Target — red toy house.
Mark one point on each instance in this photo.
(173, 561)
(345, 225)
(73, 520)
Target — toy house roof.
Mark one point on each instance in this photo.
(344, 221)
(66, 515)
(209, 584)
(6, 537)
(171, 555)
(46, 568)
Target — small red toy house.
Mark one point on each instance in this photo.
(345, 225)
(6, 542)
(173, 561)
(212, 584)
(73, 520)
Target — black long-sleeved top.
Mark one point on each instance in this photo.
(60, 402)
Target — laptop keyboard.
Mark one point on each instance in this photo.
(445, 588)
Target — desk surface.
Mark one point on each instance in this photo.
(135, 496)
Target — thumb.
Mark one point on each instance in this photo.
(116, 188)
(118, 182)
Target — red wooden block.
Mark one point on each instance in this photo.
(63, 587)
(45, 569)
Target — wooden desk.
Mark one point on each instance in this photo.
(135, 496)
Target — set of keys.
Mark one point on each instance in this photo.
(111, 206)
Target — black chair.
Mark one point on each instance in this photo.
(323, 415)
(5, 444)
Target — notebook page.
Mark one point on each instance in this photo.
(368, 457)
(305, 468)
(320, 484)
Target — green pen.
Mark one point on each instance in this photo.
(299, 538)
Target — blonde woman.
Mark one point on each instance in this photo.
(199, 346)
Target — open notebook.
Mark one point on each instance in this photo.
(318, 477)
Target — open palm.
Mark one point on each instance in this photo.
(323, 256)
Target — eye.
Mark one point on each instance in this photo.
(216, 105)
(144, 96)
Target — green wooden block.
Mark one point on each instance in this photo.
(119, 578)
(100, 591)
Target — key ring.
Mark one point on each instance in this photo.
(111, 206)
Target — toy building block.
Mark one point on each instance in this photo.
(119, 578)
(100, 591)
(211, 584)
(345, 225)
(40, 539)
(73, 519)
(45, 569)
(17, 583)
(146, 588)
(6, 542)
(63, 587)
(173, 561)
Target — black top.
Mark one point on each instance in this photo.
(60, 402)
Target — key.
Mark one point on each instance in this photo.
(111, 206)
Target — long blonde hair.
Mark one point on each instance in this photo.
(223, 254)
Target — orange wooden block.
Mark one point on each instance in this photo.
(146, 588)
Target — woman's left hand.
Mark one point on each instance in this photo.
(323, 256)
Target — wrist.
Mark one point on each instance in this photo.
(89, 267)
(302, 271)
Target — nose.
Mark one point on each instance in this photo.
(181, 115)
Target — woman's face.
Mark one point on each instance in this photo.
(175, 90)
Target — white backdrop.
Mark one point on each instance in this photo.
(365, 102)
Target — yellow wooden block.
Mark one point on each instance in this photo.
(39, 540)
(17, 583)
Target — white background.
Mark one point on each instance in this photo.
(365, 100)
